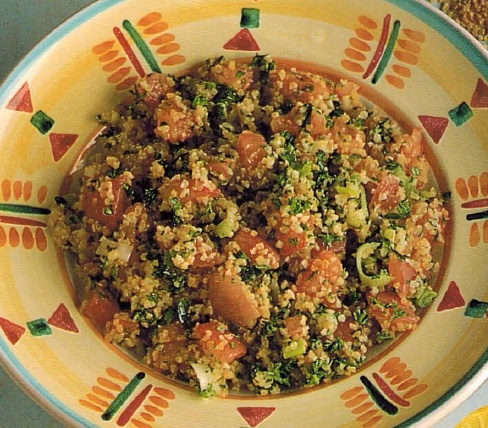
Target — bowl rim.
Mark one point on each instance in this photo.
(463, 41)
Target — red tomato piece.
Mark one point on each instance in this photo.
(207, 256)
(222, 169)
(154, 88)
(321, 276)
(293, 242)
(336, 247)
(346, 88)
(257, 249)
(386, 196)
(232, 74)
(293, 238)
(344, 331)
(188, 189)
(216, 340)
(100, 308)
(436, 214)
(392, 312)
(232, 300)
(174, 344)
(175, 121)
(295, 327)
(318, 124)
(250, 147)
(412, 148)
(299, 86)
(94, 207)
(285, 122)
(402, 274)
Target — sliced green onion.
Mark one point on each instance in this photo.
(425, 298)
(295, 348)
(389, 234)
(378, 281)
(225, 229)
(359, 217)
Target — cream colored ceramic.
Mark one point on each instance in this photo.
(406, 58)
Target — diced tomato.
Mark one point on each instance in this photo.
(402, 274)
(216, 340)
(318, 124)
(337, 247)
(412, 148)
(321, 276)
(433, 222)
(352, 138)
(210, 260)
(257, 249)
(285, 122)
(172, 346)
(346, 88)
(100, 308)
(222, 169)
(250, 147)
(206, 254)
(189, 189)
(122, 319)
(392, 312)
(386, 196)
(343, 330)
(175, 121)
(304, 87)
(232, 74)
(292, 239)
(293, 242)
(154, 88)
(232, 300)
(295, 327)
(94, 206)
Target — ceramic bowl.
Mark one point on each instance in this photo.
(407, 58)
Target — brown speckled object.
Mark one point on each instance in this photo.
(470, 14)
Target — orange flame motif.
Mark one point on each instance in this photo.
(19, 225)
(137, 50)
(392, 388)
(374, 46)
(114, 394)
(473, 191)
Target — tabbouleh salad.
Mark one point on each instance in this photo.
(251, 227)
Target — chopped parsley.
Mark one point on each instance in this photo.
(298, 206)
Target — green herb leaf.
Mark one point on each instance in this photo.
(297, 206)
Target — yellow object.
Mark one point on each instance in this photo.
(476, 419)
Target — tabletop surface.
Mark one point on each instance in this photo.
(23, 23)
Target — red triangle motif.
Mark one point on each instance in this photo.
(452, 298)
(255, 415)
(242, 41)
(62, 319)
(61, 143)
(21, 101)
(435, 126)
(480, 95)
(13, 331)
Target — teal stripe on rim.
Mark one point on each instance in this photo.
(56, 35)
(9, 361)
(478, 56)
(458, 36)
